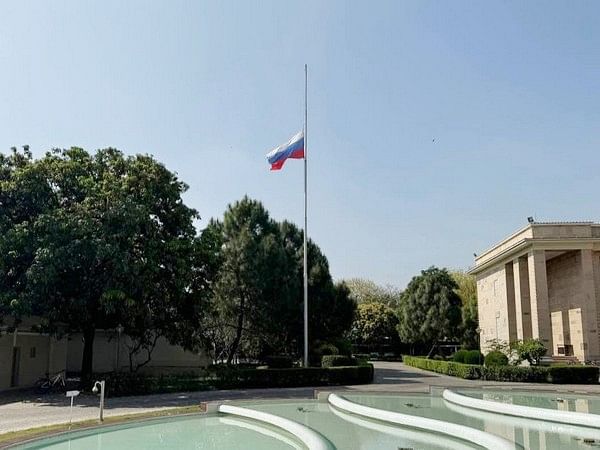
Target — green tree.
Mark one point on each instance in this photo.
(429, 309)
(24, 195)
(110, 243)
(531, 350)
(257, 297)
(248, 270)
(374, 325)
(367, 291)
(467, 291)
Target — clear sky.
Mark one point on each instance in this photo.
(435, 128)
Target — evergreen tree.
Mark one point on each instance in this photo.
(429, 309)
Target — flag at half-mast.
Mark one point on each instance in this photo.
(294, 148)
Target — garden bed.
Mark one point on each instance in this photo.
(534, 374)
(231, 377)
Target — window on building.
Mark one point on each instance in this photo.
(32, 352)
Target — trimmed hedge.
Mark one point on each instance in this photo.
(534, 374)
(521, 374)
(279, 362)
(223, 377)
(296, 377)
(119, 384)
(337, 361)
(362, 357)
(362, 374)
(496, 358)
(560, 374)
(467, 371)
(460, 356)
(473, 357)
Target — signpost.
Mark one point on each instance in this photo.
(71, 395)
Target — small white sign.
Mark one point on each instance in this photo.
(72, 393)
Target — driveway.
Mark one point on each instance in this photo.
(20, 410)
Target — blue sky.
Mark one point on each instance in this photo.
(435, 128)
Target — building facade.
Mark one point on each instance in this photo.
(543, 282)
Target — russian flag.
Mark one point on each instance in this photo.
(294, 148)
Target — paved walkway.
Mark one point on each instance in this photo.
(20, 411)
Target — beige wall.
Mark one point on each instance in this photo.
(492, 306)
(166, 358)
(541, 231)
(39, 354)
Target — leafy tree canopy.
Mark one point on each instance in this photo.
(374, 325)
(429, 310)
(367, 291)
(531, 350)
(467, 291)
(92, 240)
(255, 280)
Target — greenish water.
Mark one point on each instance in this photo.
(533, 433)
(557, 401)
(345, 431)
(195, 433)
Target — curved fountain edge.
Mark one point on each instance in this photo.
(481, 438)
(570, 417)
(309, 437)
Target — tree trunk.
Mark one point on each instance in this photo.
(238, 334)
(88, 356)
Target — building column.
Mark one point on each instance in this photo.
(589, 310)
(541, 327)
(522, 302)
(511, 320)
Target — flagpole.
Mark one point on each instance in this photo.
(305, 221)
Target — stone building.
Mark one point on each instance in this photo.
(543, 282)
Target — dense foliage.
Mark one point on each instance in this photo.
(338, 361)
(90, 241)
(374, 326)
(473, 357)
(531, 350)
(233, 377)
(496, 358)
(429, 310)
(254, 283)
(467, 291)
(367, 291)
(455, 369)
(460, 356)
(93, 241)
(468, 357)
(533, 374)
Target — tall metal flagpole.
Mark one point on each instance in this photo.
(305, 221)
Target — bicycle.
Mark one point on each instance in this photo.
(48, 384)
